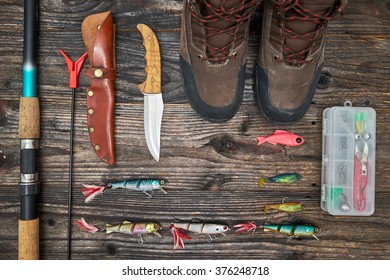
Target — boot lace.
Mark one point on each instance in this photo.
(314, 37)
(236, 16)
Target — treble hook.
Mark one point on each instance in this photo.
(210, 238)
(289, 238)
(141, 240)
(149, 195)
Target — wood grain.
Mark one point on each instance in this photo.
(212, 169)
(152, 83)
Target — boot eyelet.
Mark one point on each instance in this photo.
(275, 58)
(235, 54)
(310, 60)
(199, 56)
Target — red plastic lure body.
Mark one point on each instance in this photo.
(281, 137)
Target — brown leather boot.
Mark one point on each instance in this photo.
(291, 56)
(213, 55)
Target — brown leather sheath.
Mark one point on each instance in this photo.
(98, 33)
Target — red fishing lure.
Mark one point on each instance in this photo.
(283, 138)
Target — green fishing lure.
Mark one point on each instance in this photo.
(289, 207)
(292, 231)
(281, 178)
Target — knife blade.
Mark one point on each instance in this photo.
(151, 88)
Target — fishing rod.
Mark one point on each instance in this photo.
(29, 132)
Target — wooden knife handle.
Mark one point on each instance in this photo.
(29, 239)
(152, 83)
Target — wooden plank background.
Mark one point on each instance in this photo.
(212, 169)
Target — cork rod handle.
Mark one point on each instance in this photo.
(29, 127)
(29, 239)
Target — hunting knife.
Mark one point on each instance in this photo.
(151, 88)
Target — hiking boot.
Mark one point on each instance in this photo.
(291, 55)
(213, 55)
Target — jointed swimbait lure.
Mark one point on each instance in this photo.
(147, 186)
(136, 228)
(291, 231)
(178, 234)
(281, 178)
(289, 207)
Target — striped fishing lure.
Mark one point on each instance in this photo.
(147, 186)
(177, 230)
(291, 231)
(132, 228)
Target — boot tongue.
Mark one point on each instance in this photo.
(299, 26)
(222, 39)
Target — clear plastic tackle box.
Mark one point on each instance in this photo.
(348, 160)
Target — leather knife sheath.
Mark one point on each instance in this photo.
(98, 33)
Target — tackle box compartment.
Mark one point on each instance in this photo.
(348, 160)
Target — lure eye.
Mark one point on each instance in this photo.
(299, 140)
(162, 182)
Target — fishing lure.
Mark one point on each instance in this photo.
(204, 228)
(138, 228)
(291, 231)
(281, 137)
(290, 207)
(339, 199)
(281, 178)
(147, 186)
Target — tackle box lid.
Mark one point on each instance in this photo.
(348, 160)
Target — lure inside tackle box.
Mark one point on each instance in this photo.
(348, 160)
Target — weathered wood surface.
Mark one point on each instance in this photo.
(212, 169)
